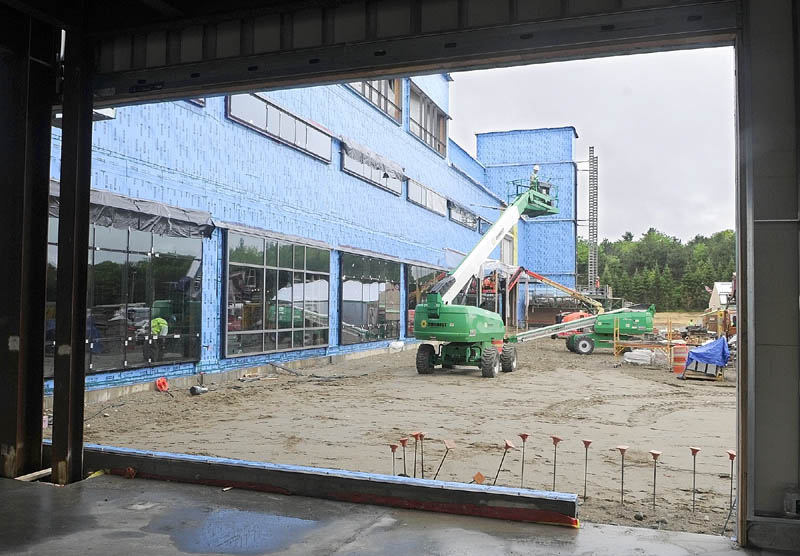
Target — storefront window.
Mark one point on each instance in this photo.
(277, 295)
(370, 299)
(144, 298)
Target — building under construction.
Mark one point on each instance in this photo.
(232, 231)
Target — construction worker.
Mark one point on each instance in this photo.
(159, 328)
(691, 323)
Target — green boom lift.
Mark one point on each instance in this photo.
(471, 335)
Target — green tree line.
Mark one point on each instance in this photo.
(661, 270)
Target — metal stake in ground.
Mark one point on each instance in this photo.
(448, 445)
(586, 444)
(556, 440)
(694, 474)
(403, 443)
(655, 454)
(731, 456)
(416, 439)
(422, 455)
(393, 448)
(524, 436)
(508, 446)
(622, 450)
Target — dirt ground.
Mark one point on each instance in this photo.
(346, 415)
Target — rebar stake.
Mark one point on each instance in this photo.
(416, 439)
(586, 444)
(508, 446)
(524, 436)
(393, 448)
(422, 455)
(448, 445)
(694, 474)
(622, 450)
(655, 454)
(556, 440)
(403, 443)
(731, 456)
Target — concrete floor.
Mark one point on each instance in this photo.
(109, 515)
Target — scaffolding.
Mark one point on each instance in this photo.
(592, 267)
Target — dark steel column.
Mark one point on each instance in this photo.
(73, 241)
(27, 90)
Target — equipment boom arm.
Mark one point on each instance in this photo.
(532, 202)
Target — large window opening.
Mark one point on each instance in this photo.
(370, 299)
(277, 295)
(144, 299)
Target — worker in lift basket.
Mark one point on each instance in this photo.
(159, 328)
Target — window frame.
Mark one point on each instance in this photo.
(453, 207)
(368, 179)
(424, 204)
(342, 281)
(277, 268)
(432, 130)
(361, 88)
(279, 136)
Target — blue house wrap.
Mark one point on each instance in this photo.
(196, 157)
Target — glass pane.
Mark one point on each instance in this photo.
(284, 299)
(414, 192)
(240, 344)
(245, 298)
(285, 340)
(300, 134)
(299, 257)
(272, 252)
(245, 249)
(316, 337)
(140, 241)
(249, 109)
(285, 255)
(107, 323)
(298, 286)
(52, 230)
(270, 341)
(176, 307)
(287, 127)
(271, 297)
(316, 300)
(353, 313)
(110, 238)
(189, 246)
(273, 120)
(297, 339)
(318, 260)
(318, 143)
(138, 309)
(352, 165)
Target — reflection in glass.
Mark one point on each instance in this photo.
(295, 301)
(420, 281)
(245, 249)
(245, 298)
(370, 299)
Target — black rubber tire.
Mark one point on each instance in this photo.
(584, 345)
(508, 358)
(570, 342)
(425, 357)
(490, 362)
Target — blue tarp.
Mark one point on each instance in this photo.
(714, 353)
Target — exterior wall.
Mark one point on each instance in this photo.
(196, 157)
(436, 87)
(546, 245)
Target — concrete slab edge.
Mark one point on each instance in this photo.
(512, 504)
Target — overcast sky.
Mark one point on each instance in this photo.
(662, 126)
